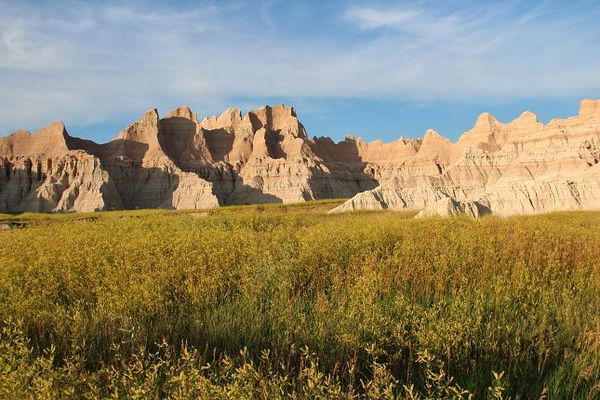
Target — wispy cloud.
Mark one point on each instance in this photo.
(371, 18)
(22, 46)
(89, 63)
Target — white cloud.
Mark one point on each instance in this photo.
(23, 47)
(89, 63)
(370, 18)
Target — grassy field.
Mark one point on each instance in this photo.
(289, 302)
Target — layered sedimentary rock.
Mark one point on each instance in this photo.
(521, 167)
(45, 172)
(447, 206)
(266, 155)
(174, 162)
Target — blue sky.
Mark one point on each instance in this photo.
(366, 68)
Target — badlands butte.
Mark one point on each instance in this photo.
(266, 156)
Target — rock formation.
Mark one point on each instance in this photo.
(447, 206)
(266, 156)
(521, 167)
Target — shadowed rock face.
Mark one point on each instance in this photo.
(267, 156)
(74, 181)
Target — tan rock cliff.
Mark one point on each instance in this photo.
(521, 167)
(266, 156)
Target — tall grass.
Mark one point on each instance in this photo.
(276, 302)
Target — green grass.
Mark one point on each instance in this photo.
(288, 301)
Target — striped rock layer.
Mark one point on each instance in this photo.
(266, 156)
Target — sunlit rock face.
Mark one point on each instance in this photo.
(266, 156)
(521, 167)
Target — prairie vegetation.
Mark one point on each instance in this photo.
(287, 301)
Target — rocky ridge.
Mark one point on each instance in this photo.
(521, 167)
(266, 155)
